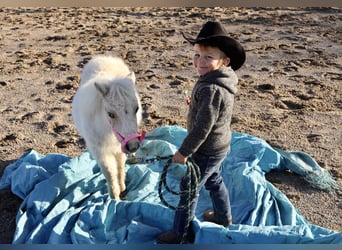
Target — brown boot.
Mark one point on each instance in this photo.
(210, 216)
(169, 237)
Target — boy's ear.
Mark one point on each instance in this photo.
(226, 61)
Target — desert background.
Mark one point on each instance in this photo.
(290, 88)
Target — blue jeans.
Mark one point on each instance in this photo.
(210, 169)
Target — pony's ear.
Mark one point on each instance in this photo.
(102, 88)
(132, 76)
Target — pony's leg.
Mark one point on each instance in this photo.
(121, 161)
(110, 170)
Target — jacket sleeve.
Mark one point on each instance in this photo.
(208, 101)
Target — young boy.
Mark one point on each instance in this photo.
(216, 56)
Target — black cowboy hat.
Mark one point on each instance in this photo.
(213, 34)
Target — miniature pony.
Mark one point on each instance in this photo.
(106, 111)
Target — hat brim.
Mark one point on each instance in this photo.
(232, 48)
(193, 40)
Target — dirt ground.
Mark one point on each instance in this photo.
(289, 91)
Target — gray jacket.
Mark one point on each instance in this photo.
(210, 113)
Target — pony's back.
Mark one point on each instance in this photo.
(104, 66)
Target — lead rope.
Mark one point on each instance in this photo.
(193, 175)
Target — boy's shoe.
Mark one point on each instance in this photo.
(210, 216)
(169, 237)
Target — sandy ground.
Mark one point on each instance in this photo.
(289, 91)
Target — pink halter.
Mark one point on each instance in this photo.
(124, 140)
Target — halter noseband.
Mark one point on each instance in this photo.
(124, 140)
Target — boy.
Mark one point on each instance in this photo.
(216, 56)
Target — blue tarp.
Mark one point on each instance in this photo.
(65, 199)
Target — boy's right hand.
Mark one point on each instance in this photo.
(179, 158)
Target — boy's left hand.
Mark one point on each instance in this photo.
(188, 100)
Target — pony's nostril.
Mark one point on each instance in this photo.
(132, 146)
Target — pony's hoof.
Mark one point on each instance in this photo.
(123, 194)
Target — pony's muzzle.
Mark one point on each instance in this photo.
(133, 141)
(132, 145)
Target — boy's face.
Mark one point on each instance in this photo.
(207, 58)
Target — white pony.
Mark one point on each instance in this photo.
(106, 111)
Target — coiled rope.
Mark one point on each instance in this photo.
(192, 174)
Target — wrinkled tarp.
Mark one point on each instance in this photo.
(65, 199)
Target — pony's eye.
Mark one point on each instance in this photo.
(111, 115)
(136, 111)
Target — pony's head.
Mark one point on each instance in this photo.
(122, 108)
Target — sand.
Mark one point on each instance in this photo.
(289, 91)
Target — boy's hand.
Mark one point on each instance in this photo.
(187, 97)
(188, 100)
(179, 158)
